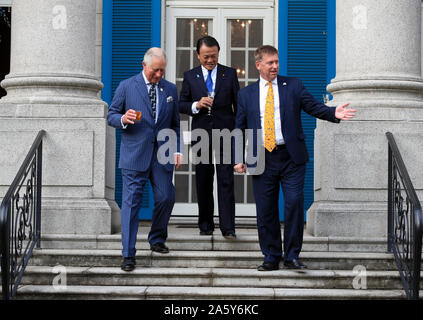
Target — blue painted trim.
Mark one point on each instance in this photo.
(283, 37)
(156, 23)
(283, 68)
(106, 62)
(331, 49)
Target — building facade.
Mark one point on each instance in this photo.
(66, 63)
(303, 31)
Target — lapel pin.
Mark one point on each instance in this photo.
(284, 84)
(198, 76)
(161, 89)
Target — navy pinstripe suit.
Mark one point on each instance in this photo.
(138, 156)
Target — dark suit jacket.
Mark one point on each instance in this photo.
(139, 139)
(225, 100)
(293, 98)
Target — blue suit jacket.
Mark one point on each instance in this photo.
(138, 140)
(293, 98)
(224, 104)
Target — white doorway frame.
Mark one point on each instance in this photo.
(220, 12)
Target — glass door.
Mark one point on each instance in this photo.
(239, 33)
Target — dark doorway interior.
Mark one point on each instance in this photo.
(5, 23)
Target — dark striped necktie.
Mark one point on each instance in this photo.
(153, 99)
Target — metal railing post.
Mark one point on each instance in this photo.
(39, 184)
(5, 254)
(405, 221)
(390, 200)
(20, 219)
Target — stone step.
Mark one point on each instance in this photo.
(190, 240)
(212, 277)
(198, 293)
(208, 259)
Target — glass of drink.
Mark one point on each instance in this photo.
(210, 95)
(138, 116)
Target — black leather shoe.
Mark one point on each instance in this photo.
(128, 264)
(206, 233)
(159, 247)
(229, 234)
(294, 264)
(268, 266)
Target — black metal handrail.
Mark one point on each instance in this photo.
(20, 219)
(405, 221)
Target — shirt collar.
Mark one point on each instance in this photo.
(206, 71)
(263, 83)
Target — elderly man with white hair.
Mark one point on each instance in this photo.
(142, 106)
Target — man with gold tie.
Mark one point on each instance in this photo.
(272, 108)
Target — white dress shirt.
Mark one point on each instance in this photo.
(205, 75)
(264, 87)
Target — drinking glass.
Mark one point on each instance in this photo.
(210, 95)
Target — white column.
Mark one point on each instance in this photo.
(53, 86)
(378, 70)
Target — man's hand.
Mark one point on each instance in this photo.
(204, 102)
(129, 117)
(240, 168)
(178, 160)
(342, 113)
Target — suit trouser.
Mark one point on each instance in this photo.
(280, 170)
(164, 199)
(204, 173)
(225, 196)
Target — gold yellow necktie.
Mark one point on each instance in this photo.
(269, 120)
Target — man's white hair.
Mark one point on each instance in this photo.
(154, 52)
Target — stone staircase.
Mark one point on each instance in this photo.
(208, 267)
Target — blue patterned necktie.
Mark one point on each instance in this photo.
(209, 82)
(153, 99)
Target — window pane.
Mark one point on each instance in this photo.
(183, 32)
(237, 35)
(179, 86)
(183, 116)
(201, 29)
(182, 62)
(252, 70)
(238, 62)
(181, 187)
(255, 33)
(195, 61)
